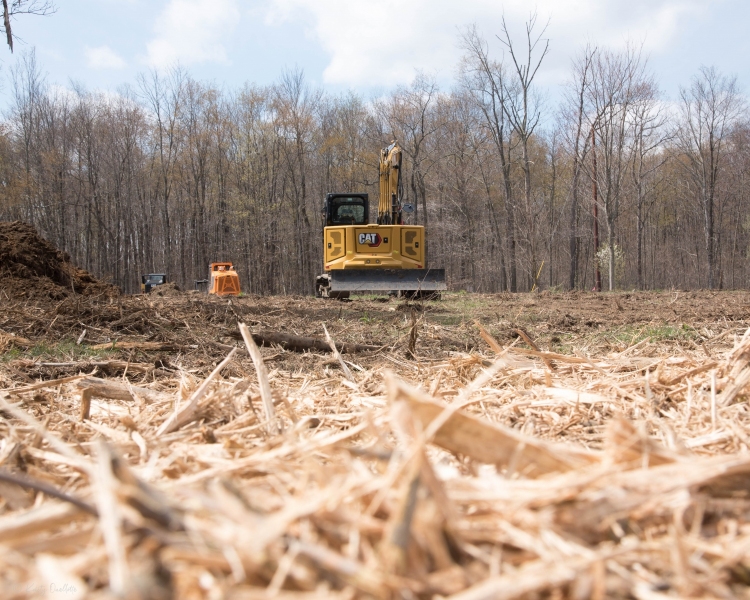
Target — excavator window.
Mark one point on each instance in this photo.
(348, 211)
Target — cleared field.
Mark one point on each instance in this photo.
(564, 445)
(514, 446)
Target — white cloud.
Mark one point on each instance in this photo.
(192, 32)
(103, 57)
(379, 44)
(70, 95)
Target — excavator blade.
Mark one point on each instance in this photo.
(386, 280)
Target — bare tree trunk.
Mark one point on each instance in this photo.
(710, 108)
(572, 125)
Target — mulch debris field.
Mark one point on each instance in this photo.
(554, 445)
(31, 267)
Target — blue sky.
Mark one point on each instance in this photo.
(363, 45)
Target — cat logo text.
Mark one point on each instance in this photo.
(371, 239)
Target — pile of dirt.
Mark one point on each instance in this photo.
(31, 266)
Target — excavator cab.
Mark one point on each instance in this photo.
(346, 209)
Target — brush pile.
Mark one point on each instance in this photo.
(511, 473)
(31, 267)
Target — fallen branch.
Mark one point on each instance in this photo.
(265, 387)
(114, 365)
(145, 346)
(575, 360)
(112, 390)
(298, 343)
(42, 384)
(336, 354)
(697, 371)
(492, 443)
(491, 342)
(531, 343)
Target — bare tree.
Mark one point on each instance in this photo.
(296, 105)
(618, 83)
(457, 212)
(350, 161)
(484, 79)
(710, 108)
(485, 167)
(165, 98)
(23, 7)
(410, 119)
(523, 108)
(258, 183)
(572, 118)
(29, 92)
(649, 136)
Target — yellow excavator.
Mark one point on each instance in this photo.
(388, 255)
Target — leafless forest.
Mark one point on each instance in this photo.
(172, 173)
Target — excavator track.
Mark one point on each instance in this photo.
(387, 280)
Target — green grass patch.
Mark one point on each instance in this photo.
(448, 320)
(463, 301)
(12, 354)
(463, 306)
(63, 351)
(622, 337)
(633, 334)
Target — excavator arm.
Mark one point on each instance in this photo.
(389, 206)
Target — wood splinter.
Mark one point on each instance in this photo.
(86, 395)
